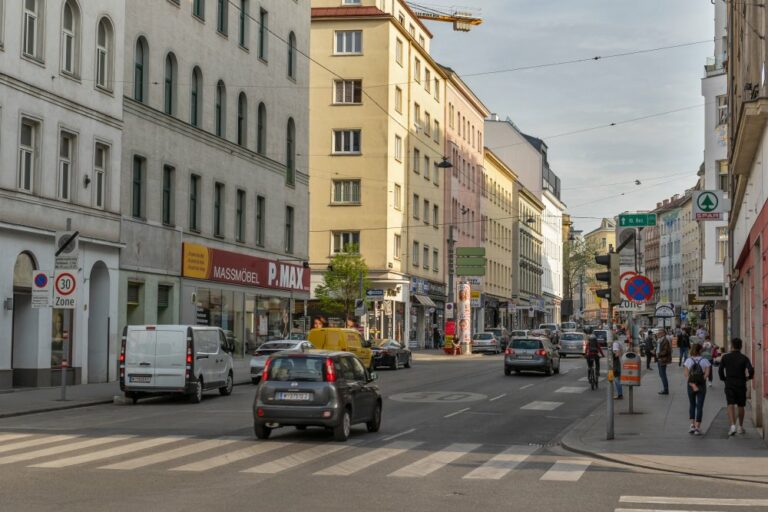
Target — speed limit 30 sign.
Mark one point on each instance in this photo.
(64, 287)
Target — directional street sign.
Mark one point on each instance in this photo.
(711, 291)
(665, 310)
(470, 261)
(64, 288)
(374, 293)
(709, 205)
(41, 289)
(638, 288)
(637, 220)
(470, 251)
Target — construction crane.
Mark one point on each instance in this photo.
(463, 19)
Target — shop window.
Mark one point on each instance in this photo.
(61, 337)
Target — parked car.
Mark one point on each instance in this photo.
(604, 337)
(568, 326)
(345, 340)
(502, 335)
(181, 359)
(390, 353)
(541, 333)
(269, 348)
(520, 333)
(485, 342)
(573, 343)
(536, 354)
(318, 388)
(552, 327)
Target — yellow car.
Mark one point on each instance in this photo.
(346, 340)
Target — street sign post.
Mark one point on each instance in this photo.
(709, 205)
(41, 289)
(64, 287)
(637, 220)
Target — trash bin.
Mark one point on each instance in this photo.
(630, 369)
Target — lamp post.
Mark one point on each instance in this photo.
(446, 164)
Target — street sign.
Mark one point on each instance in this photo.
(531, 312)
(637, 220)
(709, 205)
(638, 288)
(470, 271)
(470, 251)
(41, 289)
(470, 261)
(627, 306)
(64, 288)
(694, 301)
(683, 314)
(665, 310)
(448, 311)
(66, 250)
(374, 293)
(713, 291)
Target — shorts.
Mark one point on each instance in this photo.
(736, 395)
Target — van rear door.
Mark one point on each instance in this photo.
(140, 356)
(170, 357)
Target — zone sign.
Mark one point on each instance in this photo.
(64, 287)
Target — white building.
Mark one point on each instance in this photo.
(215, 210)
(61, 86)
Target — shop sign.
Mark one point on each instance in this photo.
(201, 262)
(477, 300)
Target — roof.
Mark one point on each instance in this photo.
(322, 12)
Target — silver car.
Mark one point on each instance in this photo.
(573, 343)
(536, 354)
(262, 353)
(486, 342)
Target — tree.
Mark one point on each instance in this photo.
(578, 260)
(341, 282)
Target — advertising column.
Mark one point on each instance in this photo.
(464, 316)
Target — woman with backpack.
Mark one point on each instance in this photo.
(696, 371)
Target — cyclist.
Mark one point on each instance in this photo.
(593, 354)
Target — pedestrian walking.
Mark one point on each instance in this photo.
(684, 345)
(617, 351)
(663, 358)
(696, 369)
(735, 370)
(649, 348)
(436, 337)
(707, 351)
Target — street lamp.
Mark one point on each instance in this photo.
(445, 164)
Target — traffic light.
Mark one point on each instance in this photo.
(612, 277)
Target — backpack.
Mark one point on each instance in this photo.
(696, 373)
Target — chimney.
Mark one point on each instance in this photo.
(658, 205)
(494, 117)
(675, 197)
(666, 202)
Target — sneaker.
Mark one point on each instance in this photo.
(732, 431)
(692, 429)
(620, 397)
(740, 430)
(696, 432)
(663, 392)
(709, 384)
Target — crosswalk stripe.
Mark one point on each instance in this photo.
(176, 453)
(296, 459)
(571, 389)
(229, 458)
(537, 405)
(432, 463)
(566, 470)
(368, 459)
(497, 467)
(56, 450)
(105, 454)
(664, 500)
(9, 437)
(33, 443)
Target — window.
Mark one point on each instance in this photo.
(218, 205)
(222, 15)
(168, 179)
(436, 131)
(722, 168)
(416, 160)
(437, 89)
(104, 54)
(289, 229)
(417, 70)
(399, 52)
(722, 109)
(194, 203)
(346, 191)
(346, 242)
(427, 124)
(348, 91)
(435, 259)
(398, 148)
(349, 41)
(70, 38)
(220, 109)
(240, 216)
(242, 119)
(196, 97)
(412, 30)
(722, 244)
(422, 41)
(66, 157)
(416, 206)
(100, 162)
(426, 211)
(263, 34)
(398, 199)
(425, 259)
(198, 8)
(138, 179)
(261, 130)
(27, 154)
(170, 84)
(292, 55)
(290, 153)
(435, 216)
(32, 42)
(401, 19)
(260, 219)
(416, 250)
(346, 141)
(351, 2)
(398, 246)
(243, 24)
(398, 99)
(427, 80)
(139, 71)
(417, 117)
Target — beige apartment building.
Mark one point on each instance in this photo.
(376, 97)
(602, 239)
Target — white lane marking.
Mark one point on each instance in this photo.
(566, 372)
(389, 438)
(497, 467)
(659, 510)
(229, 458)
(56, 450)
(33, 443)
(456, 413)
(9, 437)
(569, 470)
(355, 464)
(175, 453)
(296, 459)
(571, 389)
(497, 397)
(526, 386)
(105, 454)
(432, 463)
(537, 405)
(664, 500)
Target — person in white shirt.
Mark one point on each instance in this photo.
(696, 371)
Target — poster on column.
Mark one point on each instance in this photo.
(464, 314)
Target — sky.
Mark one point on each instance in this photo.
(597, 168)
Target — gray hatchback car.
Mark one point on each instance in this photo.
(536, 354)
(573, 343)
(317, 388)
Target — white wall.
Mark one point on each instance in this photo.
(552, 251)
(513, 149)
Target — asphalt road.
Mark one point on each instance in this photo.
(454, 435)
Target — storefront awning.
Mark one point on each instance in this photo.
(424, 300)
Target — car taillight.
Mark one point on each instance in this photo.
(330, 371)
(122, 359)
(190, 359)
(509, 352)
(265, 373)
(541, 352)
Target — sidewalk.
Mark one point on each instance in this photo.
(22, 401)
(657, 437)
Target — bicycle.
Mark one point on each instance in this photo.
(591, 375)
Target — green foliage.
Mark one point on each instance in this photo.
(579, 259)
(341, 283)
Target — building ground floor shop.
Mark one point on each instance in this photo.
(36, 343)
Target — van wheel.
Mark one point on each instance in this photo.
(227, 389)
(133, 397)
(408, 361)
(262, 431)
(342, 430)
(375, 423)
(197, 394)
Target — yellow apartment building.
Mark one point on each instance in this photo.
(602, 238)
(376, 137)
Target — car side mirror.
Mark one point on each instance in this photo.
(373, 377)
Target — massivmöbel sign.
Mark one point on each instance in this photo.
(201, 262)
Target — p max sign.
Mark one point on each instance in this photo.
(201, 262)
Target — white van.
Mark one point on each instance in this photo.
(186, 359)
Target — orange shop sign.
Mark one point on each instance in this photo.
(207, 263)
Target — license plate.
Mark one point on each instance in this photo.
(525, 357)
(140, 379)
(294, 396)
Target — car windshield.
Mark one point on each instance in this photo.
(571, 337)
(268, 348)
(385, 343)
(297, 336)
(497, 332)
(518, 333)
(305, 369)
(526, 344)
(551, 327)
(569, 325)
(484, 336)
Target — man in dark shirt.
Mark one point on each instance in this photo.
(736, 370)
(683, 344)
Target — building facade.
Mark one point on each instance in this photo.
(528, 303)
(61, 85)
(601, 240)
(691, 250)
